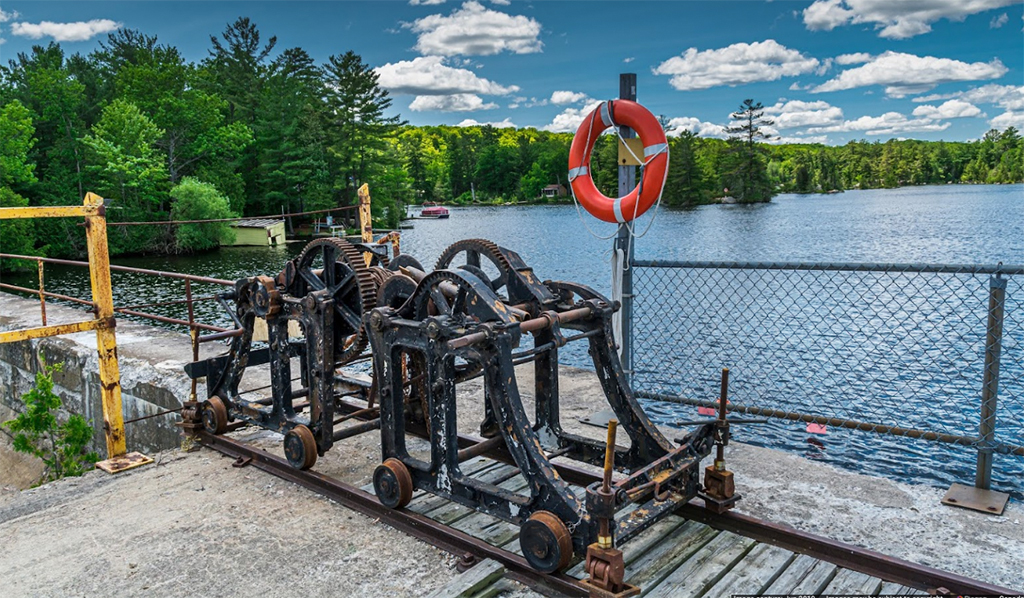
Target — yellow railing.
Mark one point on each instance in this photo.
(106, 341)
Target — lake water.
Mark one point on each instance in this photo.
(980, 224)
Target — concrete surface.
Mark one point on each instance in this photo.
(192, 523)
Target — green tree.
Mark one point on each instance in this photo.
(196, 200)
(127, 168)
(16, 130)
(61, 446)
(747, 174)
(355, 123)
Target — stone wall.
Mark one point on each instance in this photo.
(151, 361)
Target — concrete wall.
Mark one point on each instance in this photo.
(151, 361)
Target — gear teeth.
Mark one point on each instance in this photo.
(353, 258)
(481, 246)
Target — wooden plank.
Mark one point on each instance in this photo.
(804, 575)
(634, 548)
(502, 587)
(894, 589)
(660, 560)
(756, 571)
(702, 570)
(471, 581)
(848, 581)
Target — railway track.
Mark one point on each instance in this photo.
(771, 544)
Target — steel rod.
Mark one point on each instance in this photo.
(837, 422)
(837, 266)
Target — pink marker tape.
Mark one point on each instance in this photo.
(813, 428)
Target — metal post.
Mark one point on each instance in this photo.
(42, 296)
(193, 333)
(627, 180)
(990, 387)
(106, 341)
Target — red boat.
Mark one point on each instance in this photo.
(434, 212)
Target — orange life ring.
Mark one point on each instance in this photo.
(654, 170)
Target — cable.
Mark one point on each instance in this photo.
(269, 217)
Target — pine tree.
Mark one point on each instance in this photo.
(747, 173)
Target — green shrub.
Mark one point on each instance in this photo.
(62, 447)
(196, 200)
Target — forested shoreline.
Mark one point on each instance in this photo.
(254, 129)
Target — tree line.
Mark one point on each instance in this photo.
(256, 130)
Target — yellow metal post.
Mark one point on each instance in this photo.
(106, 340)
(365, 219)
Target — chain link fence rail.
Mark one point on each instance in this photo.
(914, 353)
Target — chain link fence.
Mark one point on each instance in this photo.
(904, 351)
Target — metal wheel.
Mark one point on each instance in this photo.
(215, 415)
(300, 447)
(392, 484)
(336, 266)
(545, 542)
(481, 257)
(404, 260)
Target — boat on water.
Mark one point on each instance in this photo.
(434, 212)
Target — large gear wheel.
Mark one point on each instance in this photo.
(334, 265)
(467, 254)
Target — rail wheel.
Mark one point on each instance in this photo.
(393, 484)
(215, 416)
(336, 266)
(300, 447)
(545, 542)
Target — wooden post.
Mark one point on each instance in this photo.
(365, 219)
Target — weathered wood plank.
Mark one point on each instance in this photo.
(664, 557)
(890, 588)
(756, 571)
(848, 581)
(502, 587)
(472, 580)
(638, 545)
(805, 575)
(702, 570)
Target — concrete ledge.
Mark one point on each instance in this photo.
(151, 361)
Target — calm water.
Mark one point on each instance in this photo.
(943, 224)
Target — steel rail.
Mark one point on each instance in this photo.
(441, 536)
(844, 555)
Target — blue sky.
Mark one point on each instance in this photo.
(827, 70)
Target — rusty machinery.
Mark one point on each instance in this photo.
(481, 312)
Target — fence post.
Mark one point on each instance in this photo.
(624, 242)
(990, 385)
(106, 339)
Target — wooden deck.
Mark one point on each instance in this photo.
(674, 558)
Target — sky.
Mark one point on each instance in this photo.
(827, 71)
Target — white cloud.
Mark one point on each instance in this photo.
(78, 31)
(524, 102)
(1010, 97)
(629, 60)
(734, 65)
(696, 126)
(476, 31)
(7, 16)
(568, 120)
(428, 75)
(797, 113)
(889, 123)
(425, 2)
(950, 109)
(786, 140)
(505, 124)
(893, 19)
(855, 58)
(1008, 119)
(904, 74)
(561, 98)
(501, 2)
(999, 21)
(458, 102)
